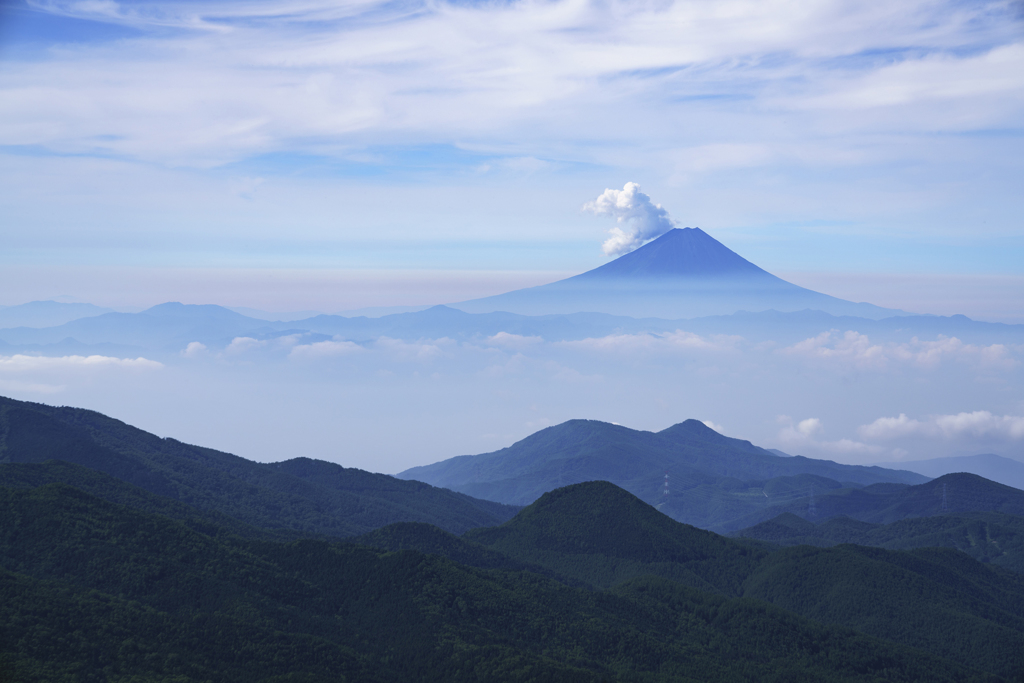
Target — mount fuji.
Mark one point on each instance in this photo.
(685, 273)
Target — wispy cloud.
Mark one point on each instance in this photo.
(679, 340)
(51, 374)
(423, 350)
(324, 349)
(978, 424)
(239, 79)
(22, 363)
(514, 341)
(857, 350)
(806, 437)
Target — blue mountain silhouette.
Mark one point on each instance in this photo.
(684, 273)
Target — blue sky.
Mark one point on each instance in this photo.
(838, 143)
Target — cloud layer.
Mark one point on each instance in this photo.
(851, 398)
(854, 349)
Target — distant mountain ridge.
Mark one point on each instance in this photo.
(989, 537)
(165, 330)
(713, 479)
(684, 273)
(989, 465)
(955, 493)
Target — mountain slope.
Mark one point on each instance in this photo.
(935, 599)
(887, 503)
(685, 273)
(988, 537)
(301, 495)
(94, 591)
(713, 479)
(938, 600)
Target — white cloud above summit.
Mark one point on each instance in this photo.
(639, 220)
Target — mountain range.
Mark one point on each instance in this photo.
(100, 590)
(165, 330)
(713, 481)
(684, 279)
(989, 537)
(886, 503)
(125, 555)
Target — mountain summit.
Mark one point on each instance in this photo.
(679, 253)
(684, 273)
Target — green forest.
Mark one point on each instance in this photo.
(133, 560)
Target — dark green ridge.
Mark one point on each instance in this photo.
(958, 493)
(989, 537)
(106, 487)
(601, 534)
(594, 532)
(936, 599)
(90, 590)
(300, 495)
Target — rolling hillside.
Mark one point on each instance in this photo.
(298, 495)
(90, 590)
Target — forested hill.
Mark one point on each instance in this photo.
(299, 495)
(936, 599)
(93, 591)
(989, 537)
(125, 557)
